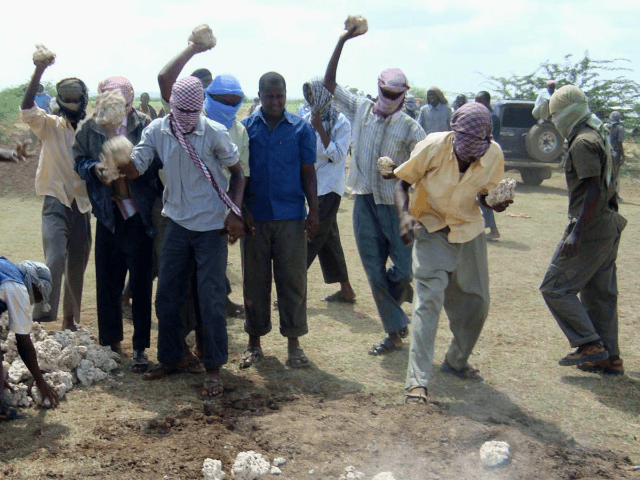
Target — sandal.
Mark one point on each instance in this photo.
(212, 387)
(140, 362)
(465, 373)
(339, 297)
(416, 395)
(158, 371)
(297, 358)
(250, 356)
(384, 347)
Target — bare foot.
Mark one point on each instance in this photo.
(68, 324)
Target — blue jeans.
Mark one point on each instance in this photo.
(377, 233)
(179, 248)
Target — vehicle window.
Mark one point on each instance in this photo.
(517, 117)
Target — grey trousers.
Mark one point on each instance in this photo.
(592, 275)
(282, 243)
(455, 275)
(66, 239)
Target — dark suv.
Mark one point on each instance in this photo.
(530, 147)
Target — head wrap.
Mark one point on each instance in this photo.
(121, 84)
(187, 93)
(569, 108)
(72, 98)
(36, 274)
(615, 117)
(321, 103)
(392, 80)
(218, 111)
(471, 125)
(439, 94)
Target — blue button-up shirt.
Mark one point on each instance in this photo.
(275, 190)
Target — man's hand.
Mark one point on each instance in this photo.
(388, 176)
(407, 223)
(500, 207)
(129, 170)
(248, 223)
(349, 34)
(234, 227)
(99, 171)
(47, 393)
(311, 224)
(569, 247)
(196, 48)
(316, 121)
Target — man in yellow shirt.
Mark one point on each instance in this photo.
(450, 173)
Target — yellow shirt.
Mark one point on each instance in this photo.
(442, 196)
(55, 176)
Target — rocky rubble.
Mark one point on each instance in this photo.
(65, 359)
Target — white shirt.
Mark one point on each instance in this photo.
(16, 296)
(331, 161)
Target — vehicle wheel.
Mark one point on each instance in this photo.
(544, 143)
(531, 177)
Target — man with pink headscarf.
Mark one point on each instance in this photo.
(379, 129)
(450, 172)
(124, 230)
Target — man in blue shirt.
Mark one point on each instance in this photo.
(282, 151)
(42, 98)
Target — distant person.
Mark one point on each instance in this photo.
(435, 116)
(66, 221)
(616, 137)
(459, 101)
(22, 285)
(333, 137)
(379, 129)
(124, 230)
(146, 108)
(254, 105)
(282, 153)
(410, 107)
(448, 174)
(42, 98)
(541, 107)
(484, 98)
(580, 286)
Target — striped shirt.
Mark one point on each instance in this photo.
(375, 137)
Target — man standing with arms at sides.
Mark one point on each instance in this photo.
(435, 116)
(146, 108)
(584, 262)
(379, 129)
(282, 151)
(66, 227)
(333, 136)
(484, 98)
(450, 173)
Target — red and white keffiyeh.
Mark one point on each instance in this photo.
(122, 84)
(471, 125)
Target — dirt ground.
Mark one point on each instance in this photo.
(345, 410)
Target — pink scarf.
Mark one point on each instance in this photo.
(395, 81)
(122, 84)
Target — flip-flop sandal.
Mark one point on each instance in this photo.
(250, 356)
(297, 358)
(466, 373)
(140, 364)
(339, 297)
(7, 413)
(211, 385)
(412, 397)
(384, 347)
(195, 366)
(158, 371)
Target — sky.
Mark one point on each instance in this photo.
(448, 43)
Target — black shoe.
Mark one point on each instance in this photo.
(140, 362)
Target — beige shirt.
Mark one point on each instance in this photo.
(240, 137)
(55, 176)
(442, 197)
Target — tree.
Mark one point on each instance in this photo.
(600, 80)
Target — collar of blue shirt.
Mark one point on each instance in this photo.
(287, 116)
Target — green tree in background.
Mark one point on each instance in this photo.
(602, 81)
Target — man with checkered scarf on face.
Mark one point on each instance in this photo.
(451, 173)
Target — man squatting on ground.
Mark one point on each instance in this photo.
(379, 129)
(282, 151)
(333, 136)
(22, 285)
(585, 259)
(450, 173)
(124, 230)
(223, 97)
(66, 227)
(193, 151)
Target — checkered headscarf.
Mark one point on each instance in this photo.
(471, 125)
(188, 94)
(121, 84)
(38, 274)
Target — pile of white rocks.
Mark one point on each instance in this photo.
(65, 358)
